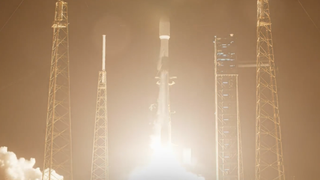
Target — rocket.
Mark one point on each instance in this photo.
(164, 35)
(163, 119)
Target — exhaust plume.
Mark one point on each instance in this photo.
(12, 168)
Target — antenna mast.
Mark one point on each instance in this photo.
(100, 166)
(269, 154)
(103, 52)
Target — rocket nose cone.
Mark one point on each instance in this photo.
(164, 27)
(164, 19)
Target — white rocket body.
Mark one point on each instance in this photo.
(164, 35)
(163, 121)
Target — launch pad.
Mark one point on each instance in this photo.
(58, 149)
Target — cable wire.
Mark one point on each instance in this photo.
(315, 25)
(11, 16)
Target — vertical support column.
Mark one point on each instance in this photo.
(216, 110)
(269, 154)
(100, 163)
(58, 142)
(227, 120)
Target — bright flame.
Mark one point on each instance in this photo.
(163, 165)
(155, 144)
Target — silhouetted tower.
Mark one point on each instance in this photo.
(100, 169)
(269, 154)
(227, 121)
(58, 148)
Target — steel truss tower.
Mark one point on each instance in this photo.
(58, 148)
(269, 154)
(228, 141)
(100, 169)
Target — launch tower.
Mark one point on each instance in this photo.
(58, 148)
(227, 122)
(100, 168)
(269, 155)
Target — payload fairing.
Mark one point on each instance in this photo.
(163, 121)
(164, 35)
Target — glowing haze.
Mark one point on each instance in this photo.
(163, 165)
(12, 168)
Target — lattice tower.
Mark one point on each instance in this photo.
(58, 148)
(269, 154)
(100, 169)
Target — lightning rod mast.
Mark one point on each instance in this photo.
(58, 148)
(269, 154)
(100, 168)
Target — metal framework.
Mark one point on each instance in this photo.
(58, 148)
(269, 154)
(228, 141)
(100, 169)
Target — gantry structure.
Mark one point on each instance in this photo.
(269, 154)
(100, 166)
(227, 122)
(58, 148)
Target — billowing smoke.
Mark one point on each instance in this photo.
(53, 174)
(12, 168)
(163, 166)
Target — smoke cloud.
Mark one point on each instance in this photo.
(12, 168)
(163, 166)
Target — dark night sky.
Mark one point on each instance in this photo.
(133, 45)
